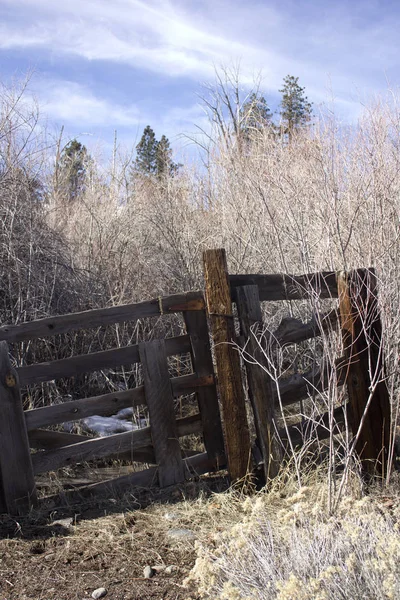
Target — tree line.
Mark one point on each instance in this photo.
(154, 157)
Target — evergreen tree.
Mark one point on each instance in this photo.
(296, 110)
(154, 157)
(73, 169)
(164, 162)
(146, 153)
(255, 114)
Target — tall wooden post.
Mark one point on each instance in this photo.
(229, 379)
(17, 479)
(362, 340)
(260, 383)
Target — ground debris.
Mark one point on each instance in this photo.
(148, 572)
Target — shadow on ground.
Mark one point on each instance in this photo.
(59, 514)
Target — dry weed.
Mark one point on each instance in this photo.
(284, 545)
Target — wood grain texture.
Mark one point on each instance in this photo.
(301, 385)
(259, 382)
(17, 480)
(207, 398)
(366, 384)
(87, 363)
(74, 410)
(294, 331)
(160, 402)
(229, 380)
(45, 439)
(51, 460)
(107, 404)
(297, 387)
(101, 317)
(289, 287)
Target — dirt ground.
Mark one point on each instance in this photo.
(67, 552)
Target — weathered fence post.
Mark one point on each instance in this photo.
(366, 385)
(17, 479)
(229, 379)
(260, 383)
(160, 401)
(197, 328)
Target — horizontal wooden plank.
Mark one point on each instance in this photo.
(51, 460)
(107, 404)
(101, 316)
(299, 386)
(197, 465)
(299, 432)
(74, 410)
(44, 439)
(288, 287)
(294, 331)
(87, 363)
(187, 384)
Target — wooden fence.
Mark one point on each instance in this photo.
(158, 444)
(360, 368)
(367, 410)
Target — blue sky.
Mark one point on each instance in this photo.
(122, 64)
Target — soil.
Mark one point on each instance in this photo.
(66, 552)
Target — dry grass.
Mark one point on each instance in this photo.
(285, 546)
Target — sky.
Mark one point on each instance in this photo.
(100, 66)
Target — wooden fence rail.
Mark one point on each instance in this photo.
(109, 404)
(101, 317)
(87, 363)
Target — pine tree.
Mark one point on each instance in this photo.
(255, 114)
(296, 110)
(154, 157)
(164, 163)
(73, 169)
(146, 153)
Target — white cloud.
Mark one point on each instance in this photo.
(154, 35)
(70, 103)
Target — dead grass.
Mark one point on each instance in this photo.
(285, 546)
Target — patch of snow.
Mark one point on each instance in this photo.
(103, 426)
(124, 413)
(107, 425)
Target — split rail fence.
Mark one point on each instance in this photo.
(227, 439)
